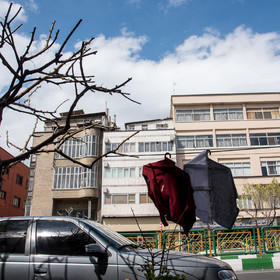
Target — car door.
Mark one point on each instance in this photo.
(59, 253)
(14, 249)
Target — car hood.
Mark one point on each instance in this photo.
(178, 259)
(194, 266)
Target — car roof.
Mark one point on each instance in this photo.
(41, 218)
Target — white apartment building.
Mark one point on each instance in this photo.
(124, 193)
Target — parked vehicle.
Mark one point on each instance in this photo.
(71, 248)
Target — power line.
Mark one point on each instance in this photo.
(195, 152)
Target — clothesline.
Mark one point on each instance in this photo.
(212, 151)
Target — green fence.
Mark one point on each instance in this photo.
(216, 242)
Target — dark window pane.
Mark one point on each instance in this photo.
(263, 141)
(264, 171)
(61, 238)
(259, 115)
(267, 115)
(13, 236)
(272, 141)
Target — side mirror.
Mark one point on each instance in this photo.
(96, 250)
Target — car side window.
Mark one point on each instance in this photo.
(61, 238)
(13, 236)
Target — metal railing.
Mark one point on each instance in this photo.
(217, 241)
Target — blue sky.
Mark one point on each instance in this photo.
(167, 47)
(166, 23)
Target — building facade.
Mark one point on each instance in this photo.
(242, 131)
(124, 193)
(13, 188)
(57, 185)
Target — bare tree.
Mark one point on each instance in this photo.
(27, 78)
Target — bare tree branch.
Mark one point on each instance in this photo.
(59, 70)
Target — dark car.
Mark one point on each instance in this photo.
(71, 248)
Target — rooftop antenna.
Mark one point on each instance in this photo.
(174, 85)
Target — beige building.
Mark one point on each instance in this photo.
(59, 186)
(242, 131)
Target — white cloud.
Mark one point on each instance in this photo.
(32, 5)
(177, 3)
(241, 61)
(5, 6)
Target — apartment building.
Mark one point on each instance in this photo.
(124, 193)
(13, 188)
(57, 185)
(242, 131)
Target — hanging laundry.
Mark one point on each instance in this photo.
(170, 189)
(215, 193)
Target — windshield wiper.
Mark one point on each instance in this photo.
(132, 245)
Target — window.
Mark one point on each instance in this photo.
(19, 179)
(155, 146)
(126, 147)
(144, 198)
(144, 127)
(239, 169)
(6, 172)
(131, 127)
(263, 113)
(119, 199)
(30, 184)
(245, 203)
(270, 168)
(80, 147)
(120, 172)
(231, 140)
(75, 177)
(13, 236)
(61, 238)
(192, 115)
(228, 114)
(162, 126)
(16, 201)
(264, 139)
(194, 141)
(2, 194)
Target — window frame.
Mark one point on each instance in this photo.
(79, 147)
(267, 166)
(79, 177)
(262, 113)
(265, 139)
(68, 236)
(3, 194)
(235, 166)
(19, 248)
(155, 146)
(195, 139)
(130, 198)
(228, 113)
(232, 138)
(19, 179)
(192, 115)
(16, 201)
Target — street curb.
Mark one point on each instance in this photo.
(252, 262)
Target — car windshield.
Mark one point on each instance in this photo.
(112, 237)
